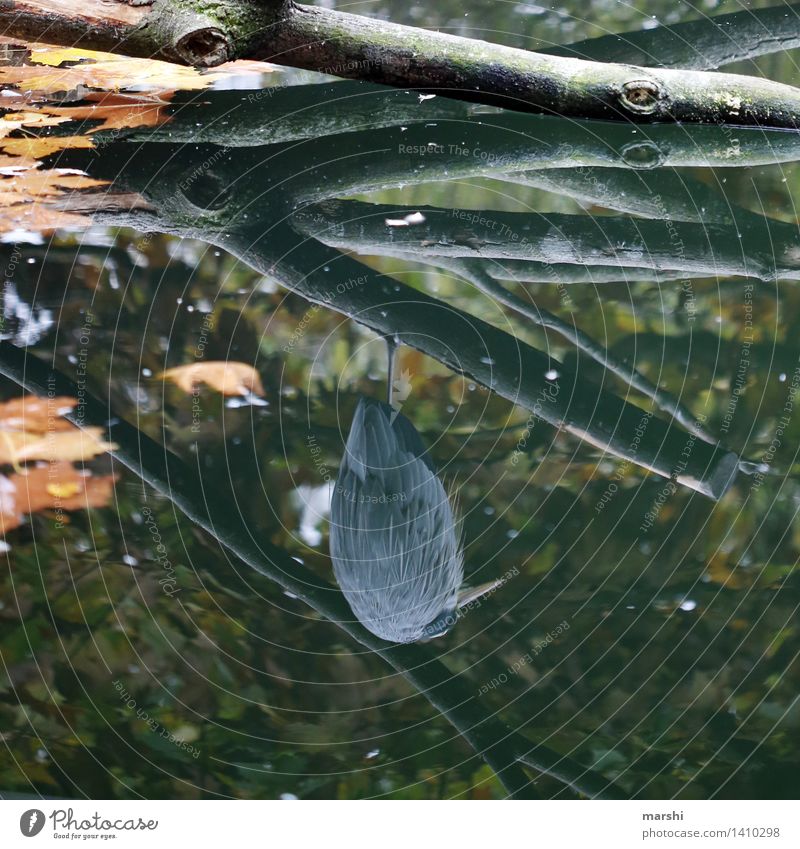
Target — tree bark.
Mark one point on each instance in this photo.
(209, 32)
(719, 250)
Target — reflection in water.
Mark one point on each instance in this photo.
(685, 617)
(394, 544)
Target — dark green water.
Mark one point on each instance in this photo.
(648, 623)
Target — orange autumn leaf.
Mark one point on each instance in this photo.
(227, 377)
(75, 445)
(114, 111)
(37, 415)
(34, 147)
(30, 198)
(51, 70)
(34, 428)
(58, 486)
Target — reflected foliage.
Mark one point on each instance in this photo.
(678, 672)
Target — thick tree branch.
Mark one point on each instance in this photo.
(208, 32)
(757, 251)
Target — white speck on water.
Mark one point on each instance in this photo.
(512, 534)
(248, 400)
(487, 361)
(288, 797)
(423, 97)
(4, 546)
(688, 605)
(128, 560)
(552, 374)
(471, 387)
(782, 377)
(147, 372)
(373, 753)
(488, 510)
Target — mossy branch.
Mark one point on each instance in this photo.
(208, 32)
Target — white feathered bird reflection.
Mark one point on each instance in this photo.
(394, 539)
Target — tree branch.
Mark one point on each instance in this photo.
(208, 32)
(557, 238)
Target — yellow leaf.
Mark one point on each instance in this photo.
(73, 445)
(229, 378)
(63, 490)
(57, 69)
(40, 147)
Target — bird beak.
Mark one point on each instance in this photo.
(467, 596)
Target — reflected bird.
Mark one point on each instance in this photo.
(394, 541)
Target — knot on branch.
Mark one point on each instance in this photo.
(642, 155)
(205, 47)
(206, 33)
(640, 96)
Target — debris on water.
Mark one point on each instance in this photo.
(423, 97)
(551, 374)
(406, 220)
(248, 400)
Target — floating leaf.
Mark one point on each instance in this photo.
(34, 428)
(39, 148)
(37, 415)
(53, 70)
(229, 378)
(29, 198)
(75, 445)
(58, 486)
